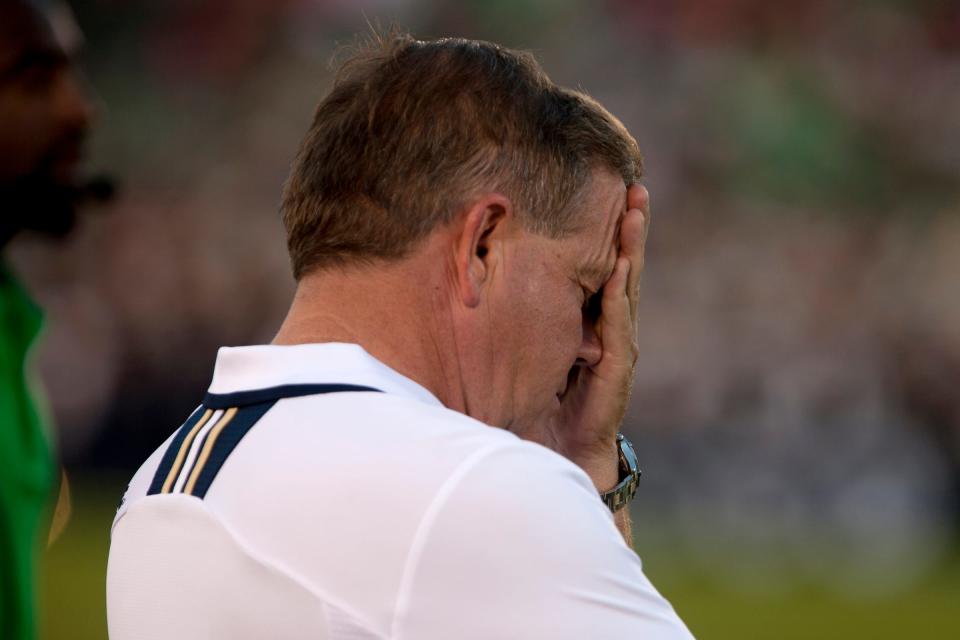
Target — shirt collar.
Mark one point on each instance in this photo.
(262, 366)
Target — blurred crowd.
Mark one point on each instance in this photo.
(801, 311)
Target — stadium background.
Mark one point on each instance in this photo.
(796, 409)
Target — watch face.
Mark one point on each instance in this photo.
(628, 456)
(629, 475)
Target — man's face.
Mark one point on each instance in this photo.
(44, 112)
(544, 311)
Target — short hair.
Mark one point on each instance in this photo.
(412, 129)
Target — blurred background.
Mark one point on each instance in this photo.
(797, 404)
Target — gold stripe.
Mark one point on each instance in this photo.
(175, 469)
(207, 447)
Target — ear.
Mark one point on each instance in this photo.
(476, 246)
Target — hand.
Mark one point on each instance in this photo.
(593, 407)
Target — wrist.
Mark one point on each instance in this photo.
(602, 466)
(629, 474)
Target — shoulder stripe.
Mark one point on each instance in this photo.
(224, 445)
(194, 450)
(208, 417)
(213, 431)
(243, 398)
(172, 456)
(207, 446)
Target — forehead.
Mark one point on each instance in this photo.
(603, 198)
(24, 30)
(601, 205)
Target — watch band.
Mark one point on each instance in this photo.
(623, 493)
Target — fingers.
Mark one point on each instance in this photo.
(638, 197)
(616, 329)
(617, 326)
(633, 237)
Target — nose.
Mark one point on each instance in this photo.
(591, 348)
(74, 102)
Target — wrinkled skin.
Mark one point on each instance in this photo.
(573, 328)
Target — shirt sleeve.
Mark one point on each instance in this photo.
(140, 483)
(519, 545)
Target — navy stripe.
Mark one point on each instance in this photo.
(272, 394)
(229, 438)
(171, 453)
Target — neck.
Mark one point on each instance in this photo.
(398, 312)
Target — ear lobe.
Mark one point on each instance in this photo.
(475, 249)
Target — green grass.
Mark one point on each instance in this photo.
(72, 592)
(929, 611)
(73, 582)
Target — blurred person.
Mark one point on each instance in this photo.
(429, 448)
(44, 116)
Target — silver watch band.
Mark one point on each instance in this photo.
(623, 493)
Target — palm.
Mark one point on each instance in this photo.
(596, 399)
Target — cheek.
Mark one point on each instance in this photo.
(551, 319)
(574, 333)
(23, 136)
(563, 323)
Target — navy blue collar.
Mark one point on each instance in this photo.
(272, 394)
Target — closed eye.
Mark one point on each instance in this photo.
(592, 306)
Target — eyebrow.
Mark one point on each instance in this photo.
(33, 57)
(595, 274)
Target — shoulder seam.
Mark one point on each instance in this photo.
(426, 523)
(308, 585)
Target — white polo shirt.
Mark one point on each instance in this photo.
(289, 508)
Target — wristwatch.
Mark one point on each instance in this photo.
(620, 495)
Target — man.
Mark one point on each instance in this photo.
(44, 116)
(467, 239)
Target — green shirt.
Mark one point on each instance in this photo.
(26, 464)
